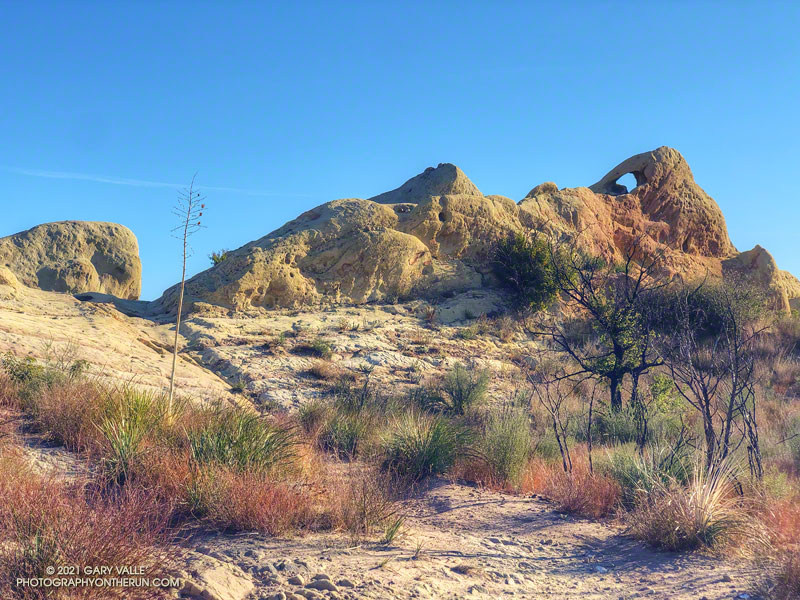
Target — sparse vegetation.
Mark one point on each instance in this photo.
(219, 256)
(343, 460)
(507, 444)
(418, 445)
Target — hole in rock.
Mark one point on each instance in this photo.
(629, 181)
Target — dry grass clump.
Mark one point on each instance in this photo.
(249, 501)
(580, 492)
(325, 370)
(705, 513)
(45, 523)
(361, 501)
(8, 390)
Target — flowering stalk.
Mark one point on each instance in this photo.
(188, 209)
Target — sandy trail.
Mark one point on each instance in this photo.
(462, 542)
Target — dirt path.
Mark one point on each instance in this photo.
(461, 542)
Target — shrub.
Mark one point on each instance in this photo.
(344, 434)
(523, 266)
(418, 445)
(507, 444)
(242, 441)
(218, 257)
(234, 500)
(467, 333)
(45, 523)
(705, 513)
(637, 476)
(32, 376)
(131, 416)
(320, 348)
(313, 415)
(580, 492)
(463, 389)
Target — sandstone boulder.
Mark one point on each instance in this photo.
(758, 265)
(75, 257)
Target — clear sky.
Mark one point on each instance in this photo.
(107, 107)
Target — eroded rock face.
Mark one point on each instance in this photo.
(429, 236)
(782, 288)
(75, 257)
(434, 234)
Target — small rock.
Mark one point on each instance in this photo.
(278, 596)
(319, 576)
(345, 583)
(726, 578)
(600, 569)
(296, 580)
(322, 584)
(268, 569)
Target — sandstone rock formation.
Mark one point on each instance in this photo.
(431, 235)
(75, 256)
(782, 287)
(434, 234)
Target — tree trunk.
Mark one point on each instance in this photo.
(616, 392)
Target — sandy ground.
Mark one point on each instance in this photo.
(463, 542)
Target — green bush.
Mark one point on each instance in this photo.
(344, 434)
(32, 376)
(615, 427)
(322, 348)
(547, 446)
(507, 444)
(464, 389)
(218, 257)
(131, 415)
(418, 445)
(638, 476)
(243, 441)
(523, 266)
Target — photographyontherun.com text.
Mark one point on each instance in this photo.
(71, 576)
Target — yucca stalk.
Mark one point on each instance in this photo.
(189, 210)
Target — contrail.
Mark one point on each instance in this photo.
(110, 179)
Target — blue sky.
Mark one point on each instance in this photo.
(106, 107)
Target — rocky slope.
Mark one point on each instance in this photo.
(434, 234)
(74, 256)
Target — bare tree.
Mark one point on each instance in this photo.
(554, 392)
(188, 209)
(709, 350)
